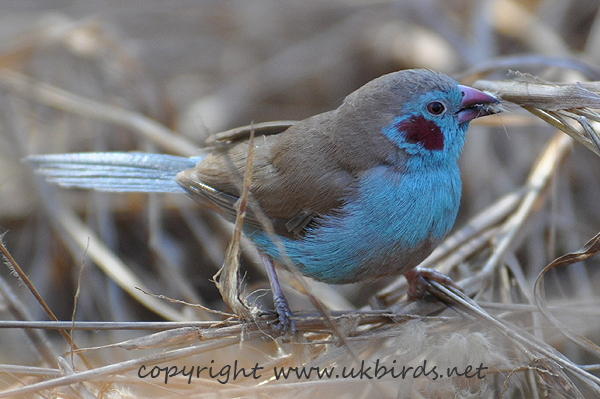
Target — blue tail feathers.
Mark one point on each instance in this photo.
(115, 171)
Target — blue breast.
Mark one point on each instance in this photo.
(382, 230)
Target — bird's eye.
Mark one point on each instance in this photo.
(436, 108)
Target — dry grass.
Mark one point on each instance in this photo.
(162, 77)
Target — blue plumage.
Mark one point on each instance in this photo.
(396, 217)
(399, 212)
(364, 191)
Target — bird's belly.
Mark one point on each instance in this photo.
(393, 223)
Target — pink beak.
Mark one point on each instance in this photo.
(474, 104)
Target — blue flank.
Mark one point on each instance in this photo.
(395, 212)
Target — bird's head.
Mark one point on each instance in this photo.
(434, 113)
(421, 112)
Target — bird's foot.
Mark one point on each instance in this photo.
(284, 314)
(417, 281)
(284, 322)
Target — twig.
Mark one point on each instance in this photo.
(536, 184)
(70, 102)
(23, 277)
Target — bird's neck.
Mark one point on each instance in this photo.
(418, 205)
(432, 163)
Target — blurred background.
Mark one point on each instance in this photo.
(80, 75)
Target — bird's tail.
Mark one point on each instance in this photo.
(114, 171)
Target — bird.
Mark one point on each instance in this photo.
(364, 191)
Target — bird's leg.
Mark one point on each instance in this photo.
(281, 305)
(417, 281)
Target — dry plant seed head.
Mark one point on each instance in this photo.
(494, 108)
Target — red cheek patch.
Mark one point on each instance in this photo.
(417, 129)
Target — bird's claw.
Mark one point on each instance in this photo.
(284, 316)
(417, 281)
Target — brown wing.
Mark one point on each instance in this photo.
(293, 179)
(303, 171)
